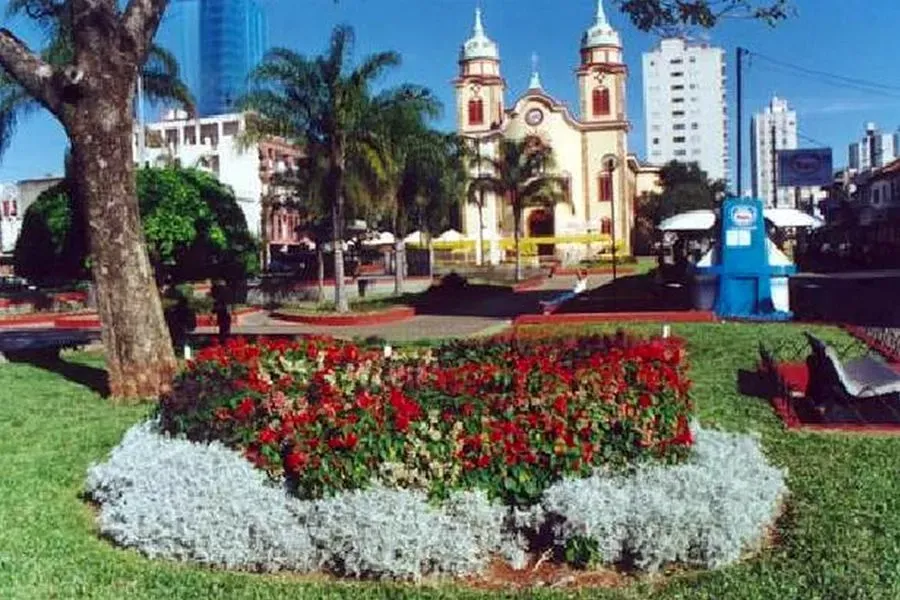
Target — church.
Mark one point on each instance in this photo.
(602, 180)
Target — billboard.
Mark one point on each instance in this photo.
(807, 167)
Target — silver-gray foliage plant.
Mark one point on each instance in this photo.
(705, 512)
(175, 499)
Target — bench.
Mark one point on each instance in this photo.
(859, 378)
(30, 344)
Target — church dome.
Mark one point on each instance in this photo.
(479, 45)
(601, 33)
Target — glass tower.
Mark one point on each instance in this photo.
(217, 43)
(179, 33)
(233, 39)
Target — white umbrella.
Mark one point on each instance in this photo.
(416, 237)
(693, 220)
(451, 235)
(791, 217)
(382, 239)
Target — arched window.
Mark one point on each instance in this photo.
(600, 101)
(476, 111)
(604, 187)
(606, 226)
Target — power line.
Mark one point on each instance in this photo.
(841, 84)
(843, 78)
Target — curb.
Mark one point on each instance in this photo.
(691, 316)
(391, 315)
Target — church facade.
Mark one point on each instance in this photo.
(601, 178)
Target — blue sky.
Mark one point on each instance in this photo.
(838, 36)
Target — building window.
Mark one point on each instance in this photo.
(678, 126)
(679, 139)
(190, 136)
(600, 101)
(605, 187)
(476, 111)
(606, 226)
(678, 74)
(677, 113)
(695, 126)
(230, 128)
(677, 100)
(677, 87)
(675, 61)
(681, 153)
(655, 141)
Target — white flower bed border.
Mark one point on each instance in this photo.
(175, 499)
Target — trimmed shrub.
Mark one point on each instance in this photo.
(508, 416)
(176, 499)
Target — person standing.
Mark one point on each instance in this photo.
(222, 313)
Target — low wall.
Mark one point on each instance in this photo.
(284, 291)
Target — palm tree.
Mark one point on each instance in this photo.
(521, 175)
(407, 155)
(321, 102)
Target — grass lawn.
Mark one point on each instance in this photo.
(840, 538)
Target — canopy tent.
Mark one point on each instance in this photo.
(383, 238)
(791, 217)
(703, 220)
(451, 235)
(693, 220)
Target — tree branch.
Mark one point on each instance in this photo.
(140, 22)
(38, 78)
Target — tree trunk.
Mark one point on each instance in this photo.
(341, 304)
(264, 235)
(320, 258)
(399, 264)
(479, 253)
(139, 357)
(517, 218)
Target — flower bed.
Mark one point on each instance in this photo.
(508, 416)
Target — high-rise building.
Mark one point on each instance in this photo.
(771, 130)
(233, 39)
(874, 150)
(179, 33)
(217, 43)
(684, 105)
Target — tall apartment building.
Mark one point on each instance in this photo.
(217, 43)
(684, 105)
(874, 150)
(771, 130)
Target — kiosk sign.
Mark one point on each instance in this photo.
(743, 216)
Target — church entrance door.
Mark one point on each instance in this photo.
(540, 224)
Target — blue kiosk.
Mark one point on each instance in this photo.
(744, 276)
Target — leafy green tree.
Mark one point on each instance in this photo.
(666, 15)
(322, 104)
(522, 174)
(193, 226)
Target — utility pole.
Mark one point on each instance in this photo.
(740, 124)
(774, 166)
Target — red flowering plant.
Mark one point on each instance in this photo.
(508, 415)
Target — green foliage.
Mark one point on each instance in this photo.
(193, 226)
(668, 15)
(582, 552)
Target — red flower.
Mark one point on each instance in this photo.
(268, 436)
(350, 441)
(244, 409)
(222, 413)
(483, 461)
(295, 461)
(560, 405)
(645, 400)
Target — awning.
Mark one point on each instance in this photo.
(451, 235)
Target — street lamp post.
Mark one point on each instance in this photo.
(611, 162)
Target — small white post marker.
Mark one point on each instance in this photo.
(666, 331)
(187, 352)
(388, 351)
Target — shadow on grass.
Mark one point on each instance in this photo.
(93, 378)
(633, 293)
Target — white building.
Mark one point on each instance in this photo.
(684, 105)
(771, 130)
(874, 150)
(15, 198)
